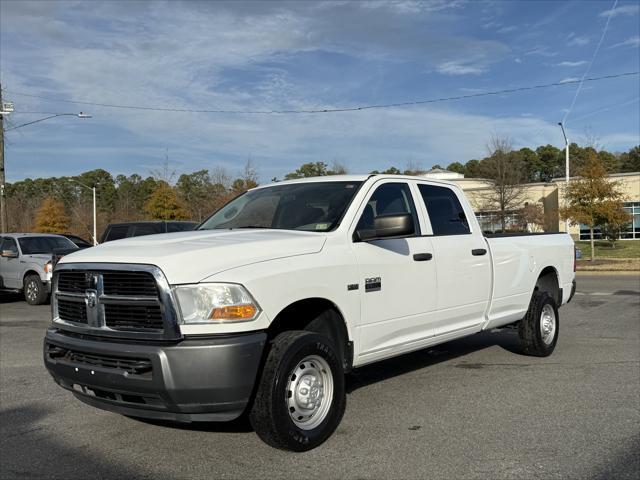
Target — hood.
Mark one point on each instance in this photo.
(189, 257)
(39, 258)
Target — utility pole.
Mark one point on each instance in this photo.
(566, 168)
(3, 206)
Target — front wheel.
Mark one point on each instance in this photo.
(301, 396)
(538, 330)
(34, 291)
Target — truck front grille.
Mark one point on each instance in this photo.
(111, 300)
(133, 317)
(73, 282)
(133, 284)
(72, 311)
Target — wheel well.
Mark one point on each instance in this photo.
(27, 273)
(317, 315)
(548, 282)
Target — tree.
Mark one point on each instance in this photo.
(550, 163)
(593, 199)
(388, 171)
(533, 216)
(165, 205)
(51, 217)
(456, 167)
(505, 170)
(630, 161)
(313, 169)
(530, 163)
(197, 193)
(472, 169)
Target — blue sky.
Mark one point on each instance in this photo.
(300, 55)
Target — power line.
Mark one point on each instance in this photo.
(330, 110)
(593, 58)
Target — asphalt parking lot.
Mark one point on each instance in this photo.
(473, 408)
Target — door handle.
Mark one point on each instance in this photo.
(422, 257)
(478, 251)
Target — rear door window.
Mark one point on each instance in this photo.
(445, 211)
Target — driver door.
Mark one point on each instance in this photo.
(10, 266)
(397, 279)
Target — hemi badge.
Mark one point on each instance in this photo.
(352, 286)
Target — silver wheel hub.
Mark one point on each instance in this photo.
(548, 324)
(309, 392)
(31, 290)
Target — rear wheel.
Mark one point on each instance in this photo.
(301, 396)
(34, 291)
(538, 330)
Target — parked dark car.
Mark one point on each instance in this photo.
(79, 241)
(116, 231)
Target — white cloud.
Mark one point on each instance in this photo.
(629, 42)
(572, 64)
(541, 51)
(507, 29)
(457, 68)
(578, 41)
(624, 10)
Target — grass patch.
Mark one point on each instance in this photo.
(623, 249)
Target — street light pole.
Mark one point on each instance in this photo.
(93, 190)
(566, 168)
(4, 217)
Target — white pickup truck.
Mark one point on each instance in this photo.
(274, 297)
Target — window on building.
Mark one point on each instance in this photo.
(630, 232)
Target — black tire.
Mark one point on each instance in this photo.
(530, 330)
(34, 291)
(269, 415)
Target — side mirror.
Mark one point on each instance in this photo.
(9, 254)
(387, 226)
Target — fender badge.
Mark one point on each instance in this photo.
(373, 284)
(353, 286)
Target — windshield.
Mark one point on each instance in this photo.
(312, 207)
(35, 245)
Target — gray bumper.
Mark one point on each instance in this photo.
(205, 380)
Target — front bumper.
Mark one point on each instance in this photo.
(192, 380)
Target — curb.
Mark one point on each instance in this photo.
(610, 273)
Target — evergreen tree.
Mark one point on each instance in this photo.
(51, 217)
(165, 205)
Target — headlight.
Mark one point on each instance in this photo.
(215, 302)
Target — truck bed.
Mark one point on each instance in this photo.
(518, 260)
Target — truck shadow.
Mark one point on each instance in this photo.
(23, 429)
(10, 297)
(507, 339)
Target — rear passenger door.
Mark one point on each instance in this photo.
(461, 257)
